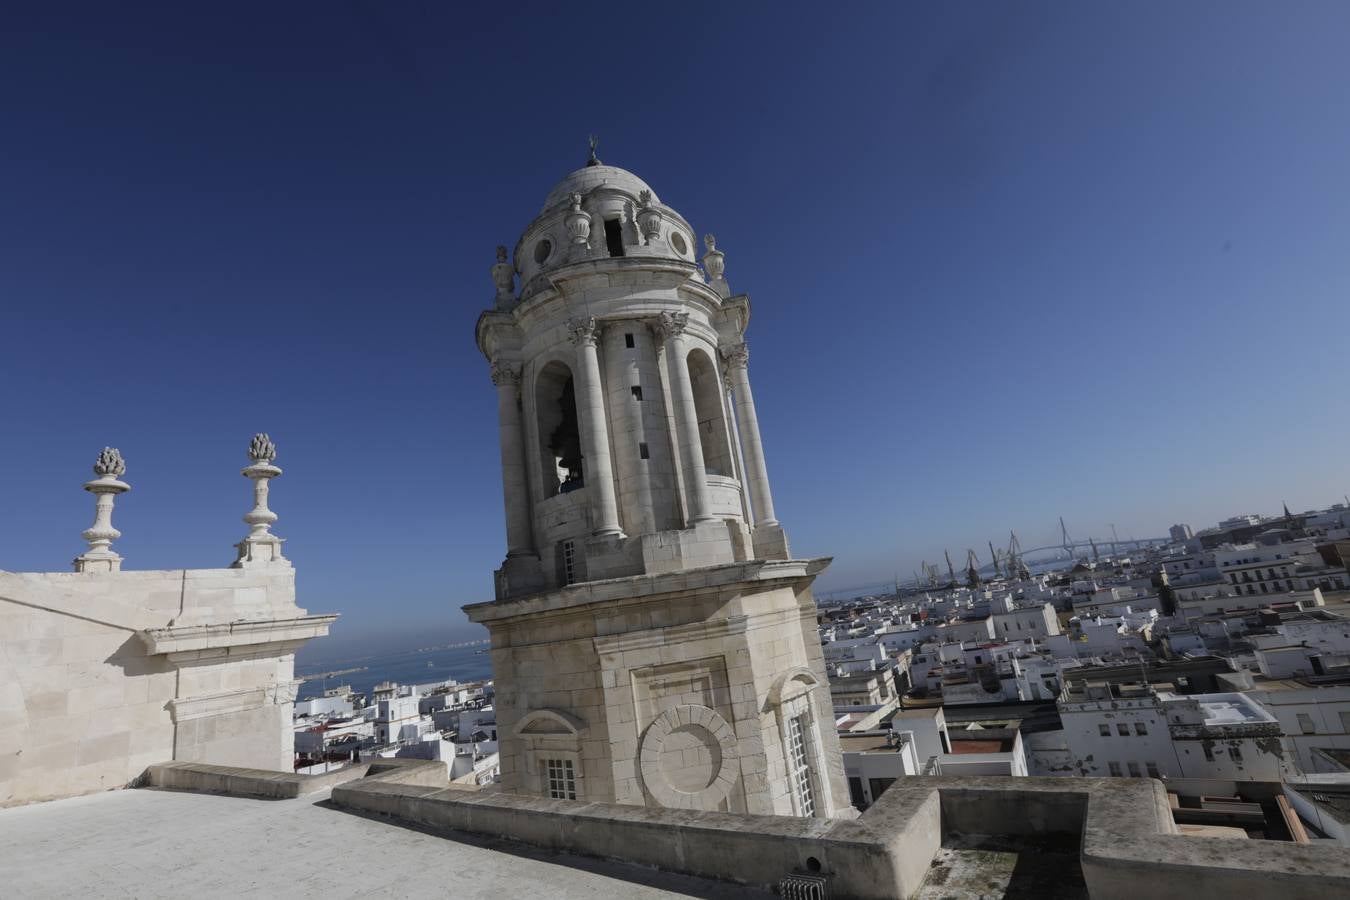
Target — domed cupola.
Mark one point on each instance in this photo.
(601, 212)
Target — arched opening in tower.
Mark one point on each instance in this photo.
(712, 426)
(555, 406)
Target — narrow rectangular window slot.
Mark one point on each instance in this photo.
(628, 341)
(642, 451)
(614, 237)
(637, 392)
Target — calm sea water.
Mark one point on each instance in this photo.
(406, 667)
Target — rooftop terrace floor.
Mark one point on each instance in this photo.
(154, 843)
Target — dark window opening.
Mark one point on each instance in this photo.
(565, 442)
(614, 237)
(642, 451)
(628, 341)
(637, 392)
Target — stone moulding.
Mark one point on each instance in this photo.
(261, 637)
(639, 588)
(183, 709)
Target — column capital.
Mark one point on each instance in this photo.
(504, 372)
(583, 330)
(670, 325)
(737, 355)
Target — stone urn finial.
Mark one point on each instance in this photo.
(100, 557)
(260, 546)
(261, 449)
(714, 262)
(504, 277)
(648, 218)
(578, 223)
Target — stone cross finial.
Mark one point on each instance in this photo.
(260, 547)
(109, 467)
(593, 160)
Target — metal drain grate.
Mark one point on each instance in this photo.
(802, 887)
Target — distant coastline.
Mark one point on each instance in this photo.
(463, 661)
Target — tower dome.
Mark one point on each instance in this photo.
(598, 213)
(588, 178)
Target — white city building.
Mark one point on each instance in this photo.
(1132, 730)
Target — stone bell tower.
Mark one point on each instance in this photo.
(653, 639)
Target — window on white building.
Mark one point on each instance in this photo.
(1140, 728)
(1305, 724)
(1134, 769)
(1123, 729)
(798, 727)
(569, 552)
(1103, 729)
(1152, 770)
(562, 781)
(1345, 722)
(1115, 769)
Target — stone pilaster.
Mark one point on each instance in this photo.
(757, 474)
(515, 493)
(597, 467)
(671, 328)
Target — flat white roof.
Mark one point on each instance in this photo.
(152, 843)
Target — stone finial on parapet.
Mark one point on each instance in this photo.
(260, 547)
(714, 263)
(109, 467)
(504, 278)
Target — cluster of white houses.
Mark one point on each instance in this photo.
(1224, 657)
(445, 720)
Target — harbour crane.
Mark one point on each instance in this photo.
(993, 554)
(972, 569)
(1015, 565)
(951, 572)
(1064, 534)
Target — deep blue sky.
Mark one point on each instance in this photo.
(1008, 262)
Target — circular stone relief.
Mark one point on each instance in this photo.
(677, 241)
(688, 758)
(542, 251)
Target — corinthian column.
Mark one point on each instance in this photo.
(597, 470)
(670, 327)
(515, 495)
(738, 360)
